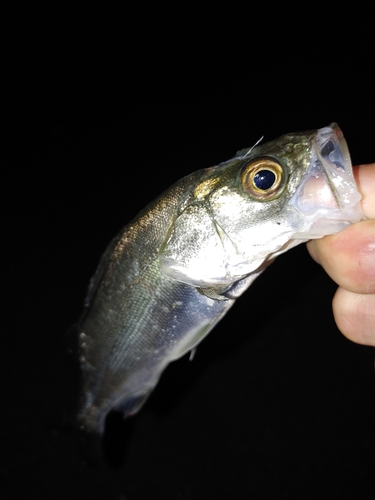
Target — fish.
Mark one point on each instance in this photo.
(174, 271)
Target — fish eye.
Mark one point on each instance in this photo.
(263, 178)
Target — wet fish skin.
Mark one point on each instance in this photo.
(136, 318)
(173, 272)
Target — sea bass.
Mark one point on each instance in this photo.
(173, 272)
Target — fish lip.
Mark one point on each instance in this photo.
(327, 198)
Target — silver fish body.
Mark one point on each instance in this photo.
(173, 272)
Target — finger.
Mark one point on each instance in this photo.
(365, 179)
(349, 256)
(355, 316)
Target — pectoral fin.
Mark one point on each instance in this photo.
(193, 341)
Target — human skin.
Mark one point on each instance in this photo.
(349, 259)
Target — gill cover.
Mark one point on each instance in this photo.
(198, 251)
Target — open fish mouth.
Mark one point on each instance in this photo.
(327, 199)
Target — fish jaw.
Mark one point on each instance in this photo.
(327, 199)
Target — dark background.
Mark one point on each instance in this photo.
(105, 108)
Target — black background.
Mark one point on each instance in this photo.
(105, 108)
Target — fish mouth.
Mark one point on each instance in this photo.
(327, 198)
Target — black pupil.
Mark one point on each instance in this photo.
(264, 179)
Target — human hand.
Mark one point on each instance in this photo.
(349, 259)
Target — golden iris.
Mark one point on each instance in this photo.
(263, 178)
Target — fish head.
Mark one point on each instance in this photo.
(267, 199)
